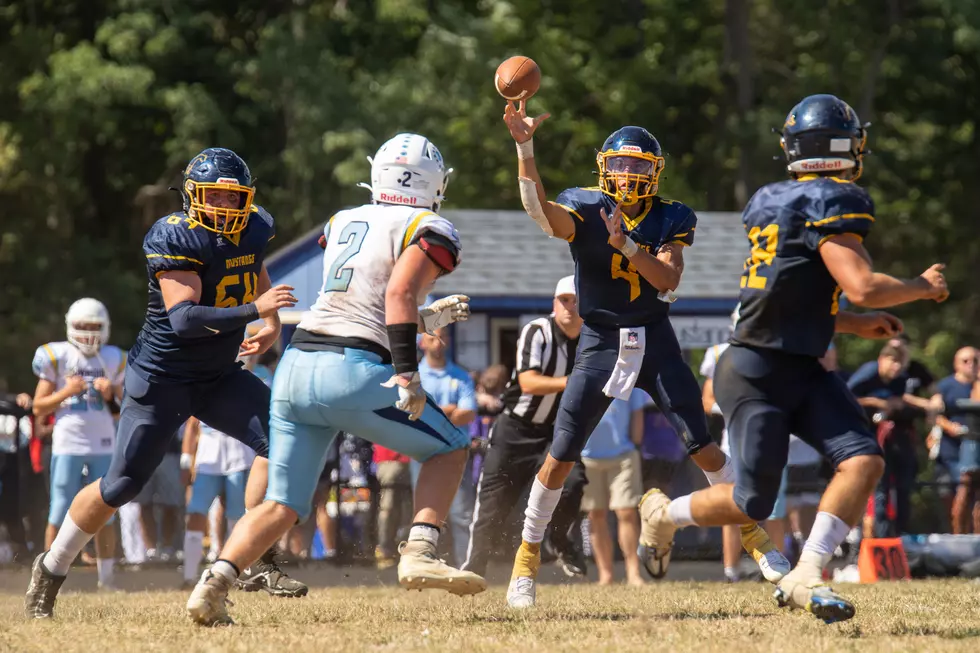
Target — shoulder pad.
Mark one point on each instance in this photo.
(176, 242)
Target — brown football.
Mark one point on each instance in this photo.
(518, 78)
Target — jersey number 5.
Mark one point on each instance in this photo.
(764, 244)
(225, 299)
(338, 278)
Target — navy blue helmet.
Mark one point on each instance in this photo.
(630, 163)
(823, 134)
(217, 190)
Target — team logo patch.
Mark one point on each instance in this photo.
(632, 340)
(630, 148)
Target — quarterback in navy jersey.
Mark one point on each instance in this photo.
(207, 282)
(627, 243)
(806, 238)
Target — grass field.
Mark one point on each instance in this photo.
(671, 616)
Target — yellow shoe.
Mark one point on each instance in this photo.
(521, 592)
(771, 562)
(803, 591)
(656, 534)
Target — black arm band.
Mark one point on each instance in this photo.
(190, 320)
(401, 343)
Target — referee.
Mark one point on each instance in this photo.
(522, 435)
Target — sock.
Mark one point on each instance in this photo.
(105, 567)
(193, 552)
(540, 507)
(422, 532)
(679, 512)
(826, 535)
(226, 570)
(724, 475)
(66, 547)
(731, 574)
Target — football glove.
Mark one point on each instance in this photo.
(411, 396)
(444, 312)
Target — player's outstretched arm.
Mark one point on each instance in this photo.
(850, 264)
(553, 219)
(414, 272)
(662, 271)
(181, 291)
(269, 333)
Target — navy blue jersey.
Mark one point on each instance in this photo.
(788, 299)
(228, 266)
(610, 290)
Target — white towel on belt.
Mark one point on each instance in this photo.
(632, 346)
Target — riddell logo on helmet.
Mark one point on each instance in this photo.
(824, 164)
(397, 198)
(630, 148)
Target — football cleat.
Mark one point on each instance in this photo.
(208, 603)
(420, 569)
(814, 596)
(42, 591)
(266, 575)
(656, 534)
(772, 563)
(521, 593)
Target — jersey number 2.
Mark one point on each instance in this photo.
(338, 277)
(764, 244)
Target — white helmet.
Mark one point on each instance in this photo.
(88, 311)
(408, 169)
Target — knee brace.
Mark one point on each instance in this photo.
(757, 496)
(118, 490)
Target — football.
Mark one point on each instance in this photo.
(518, 78)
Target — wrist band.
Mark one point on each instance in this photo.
(185, 460)
(629, 248)
(525, 150)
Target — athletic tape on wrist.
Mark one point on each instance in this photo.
(525, 150)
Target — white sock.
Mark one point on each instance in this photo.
(540, 507)
(731, 573)
(724, 475)
(105, 567)
(826, 535)
(424, 533)
(226, 570)
(66, 547)
(679, 512)
(193, 552)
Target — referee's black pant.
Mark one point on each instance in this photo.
(517, 450)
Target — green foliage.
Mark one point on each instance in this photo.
(103, 101)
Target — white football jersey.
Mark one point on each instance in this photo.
(83, 423)
(219, 454)
(362, 246)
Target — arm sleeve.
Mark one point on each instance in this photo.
(45, 364)
(530, 349)
(190, 320)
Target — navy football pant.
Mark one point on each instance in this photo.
(765, 395)
(237, 403)
(665, 376)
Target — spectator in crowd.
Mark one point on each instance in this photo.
(453, 391)
(953, 463)
(394, 502)
(490, 387)
(23, 495)
(881, 388)
(220, 466)
(612, 468)
(523, 432)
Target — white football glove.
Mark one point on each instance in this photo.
(667, 297)
(444, 312)
(411, 396)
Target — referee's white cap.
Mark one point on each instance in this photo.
(566, 286)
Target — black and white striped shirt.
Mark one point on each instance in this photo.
(545, 348)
